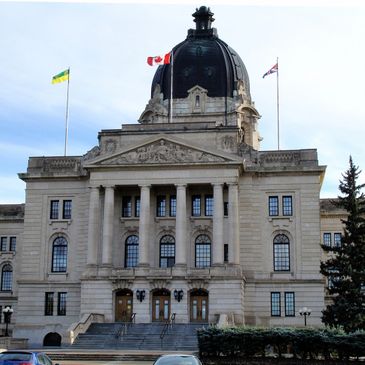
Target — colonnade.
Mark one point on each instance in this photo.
(181, 233)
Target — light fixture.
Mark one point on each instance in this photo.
(178, 294)
(7, 311)
(140, 295)
(306, 312)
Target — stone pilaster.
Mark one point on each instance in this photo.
(181, 225)
(233, 231)
(93, 228)
(108, 224)
(144, 224)
(218, 224)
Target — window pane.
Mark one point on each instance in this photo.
(327, 239)
(209, 204)
(131, 251)
(7, 278)
(196, 203)
(161, 206)
(225, 252)
(287, 205)
(202, 251)
(225, 209)
(275, 304)
(173, 206)
(126, 206)
(273, 206)
(59, 255)
(54, 209)
(167, 251)
(281, 253)
(48, 305)
(61, 307)
(12, 243)
(289, 304)
(4, 243)
(337, 239)
(137, 206)
(67, 208)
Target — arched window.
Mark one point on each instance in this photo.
(59, 255)
(281, 253)
(202, 251)
(167, 251)
(7, 278)
(131, 251)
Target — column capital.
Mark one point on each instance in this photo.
(144, 186)
(180, 186)
(217, 184)
(109, 187)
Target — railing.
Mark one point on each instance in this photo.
(81, 327)
(123, 329)
(168, 324)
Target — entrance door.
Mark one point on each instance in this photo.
(123, 306)
(161, 305)
(199, 306)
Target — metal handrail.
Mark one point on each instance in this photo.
(169, 323)
(133, 318)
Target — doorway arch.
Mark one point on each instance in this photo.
(199, 305)
(161, 305)
(52, 339)
(123, 305)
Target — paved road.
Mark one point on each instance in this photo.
(74, 362)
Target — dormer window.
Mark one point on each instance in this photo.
(197, 101)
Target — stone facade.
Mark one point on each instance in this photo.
(181, 213)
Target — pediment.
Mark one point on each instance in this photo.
(162, 151)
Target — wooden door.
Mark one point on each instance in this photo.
(123, 307)
(199, 308)
(160, 308)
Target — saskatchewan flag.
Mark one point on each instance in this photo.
(62, 76)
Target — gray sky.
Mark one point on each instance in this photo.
(320, 45)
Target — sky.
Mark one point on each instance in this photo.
(320, 46)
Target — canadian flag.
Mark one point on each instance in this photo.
(159, 60)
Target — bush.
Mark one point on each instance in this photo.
(301, 343)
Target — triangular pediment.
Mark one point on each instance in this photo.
(162, 150)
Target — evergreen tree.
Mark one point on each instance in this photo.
(345, 268)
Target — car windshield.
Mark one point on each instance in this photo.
(16, 356)
(177, 360)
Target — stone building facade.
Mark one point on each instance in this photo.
(181, 213)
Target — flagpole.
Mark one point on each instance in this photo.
(171, 83)
(277, 102)
(66, 121)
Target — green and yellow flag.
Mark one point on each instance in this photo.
(62, 76)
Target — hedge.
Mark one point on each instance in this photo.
(299, 343)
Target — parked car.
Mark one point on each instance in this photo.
(24, 358)
(177, 359)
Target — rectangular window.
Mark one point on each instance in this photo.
(273, 206)
(172, 205)
(275, 304)
(161, 206)
(225, 209)
(54, 209)
(327, 241)
(289, 304)
(196, 206)
(137, 206)
(61, 305)
(287, 205)
(12, 244)
(48, 303)
(209, 205)
(126, 206)
(1, 312)
(225, 252)
(337, 239)
(3, 243)
(67, 208)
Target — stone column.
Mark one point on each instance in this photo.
(218, 224)
(108, 224)
(144, 224)
(93, 228)
(233, 219)
(181, 224)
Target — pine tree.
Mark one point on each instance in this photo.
(345, 268)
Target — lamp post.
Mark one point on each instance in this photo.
(7, 311)
(306, 312)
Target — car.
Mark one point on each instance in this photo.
(24, 358)
(177, 359)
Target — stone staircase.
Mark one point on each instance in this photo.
(139, 336)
